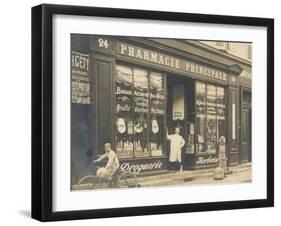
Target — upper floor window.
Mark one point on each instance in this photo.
(219, 44)
(250, 51)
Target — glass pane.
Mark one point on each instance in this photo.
(201, 114)
(140, 135)
(124, 111)
(211, 99)
(141, 102)
(220, 103)
(200, 93)
(140, 91)
(124, 90)
(157, 110)
(211, 134)
(211, 118)
(247, 98)
(201, 133)
(156, 81)
(221, 129)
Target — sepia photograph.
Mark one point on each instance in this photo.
(150, 112)
(140, 112)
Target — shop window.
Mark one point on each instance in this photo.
(247, 98)
(210, 103)
(140, 104)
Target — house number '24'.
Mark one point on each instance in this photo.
(103, 43)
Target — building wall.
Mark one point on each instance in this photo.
(242, 50)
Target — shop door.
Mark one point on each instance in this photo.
(246, 135)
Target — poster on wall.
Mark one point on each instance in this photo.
(80, 82)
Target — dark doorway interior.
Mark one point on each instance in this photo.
(181, 112)
(246, 126)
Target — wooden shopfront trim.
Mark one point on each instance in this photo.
(126, 61)
(175, 63)
(182, 49)
(168, 70)
(133, 61)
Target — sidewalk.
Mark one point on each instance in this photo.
(237, 174)
(240, 173)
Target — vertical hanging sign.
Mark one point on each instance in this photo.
(178, 102)
(80, 78)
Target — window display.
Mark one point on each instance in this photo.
(210, 103)
(140, 109)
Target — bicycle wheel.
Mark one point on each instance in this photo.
(127, 180)
(92, 182)
(87, 182)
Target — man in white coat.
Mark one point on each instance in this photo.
(177, 142)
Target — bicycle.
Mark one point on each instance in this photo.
(120, 179)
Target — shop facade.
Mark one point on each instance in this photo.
(135, 91)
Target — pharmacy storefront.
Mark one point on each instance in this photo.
(135, 91)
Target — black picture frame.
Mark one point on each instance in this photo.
(42, 108)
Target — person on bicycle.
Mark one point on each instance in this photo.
(112, 164)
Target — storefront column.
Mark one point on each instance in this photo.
(233, 122)
(102, 64)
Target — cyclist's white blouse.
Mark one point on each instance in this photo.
(112, 163)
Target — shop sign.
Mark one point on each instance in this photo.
(141, 166)
(205, 160)
(169, 61)
(80, 78)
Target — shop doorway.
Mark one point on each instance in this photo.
(180, 114)
(198, 108)
(246, 126)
